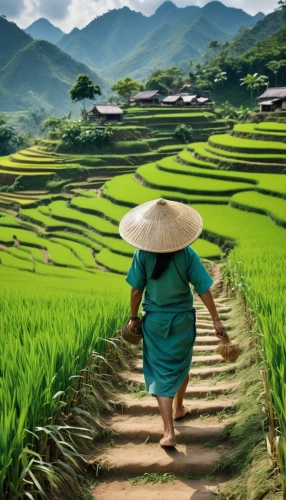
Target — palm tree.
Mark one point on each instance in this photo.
(220, 77)
(254, 82)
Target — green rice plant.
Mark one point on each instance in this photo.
(9, 220)
(82, 252)
(16, 261)
(61, 211)
(35, 254)
(44, 350)
(98, 205)
(247, 145)
(84, 240)
(113, 262)
(20, 158)
(151, 176)
(187, 157)
(252, 130)
(62, 256)
(256, 157)
(275, 208)
(124, 190)
(257, 270)
(272, 126)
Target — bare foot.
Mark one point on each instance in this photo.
(168, 440)
(179, 413)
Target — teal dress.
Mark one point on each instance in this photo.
(169, 329)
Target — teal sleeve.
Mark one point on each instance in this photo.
(197, 273)
(136, 276)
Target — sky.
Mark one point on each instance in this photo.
(68, 14)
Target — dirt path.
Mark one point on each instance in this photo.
(134, 431)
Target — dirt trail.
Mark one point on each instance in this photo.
(135, 429)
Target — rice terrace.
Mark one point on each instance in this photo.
(102, 111)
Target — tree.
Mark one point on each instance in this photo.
(184, 133)
(214, 45)
(253, 82)
(165, 80)
(83, 89)
(10, 140)
(274, 67)
(220, 77)
(125, 87)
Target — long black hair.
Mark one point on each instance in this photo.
(162, 262)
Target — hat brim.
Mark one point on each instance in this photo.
(161, 227)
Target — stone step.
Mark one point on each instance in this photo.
(206, 331)
(205, 348)
(206, 360)
(207, 340)
(149, 406)
(138, 459)
(185, 489)
(204, 324)
(140, 429)
(220, 309)
(209, 372)
(203, 373)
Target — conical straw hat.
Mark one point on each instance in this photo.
(161, 226)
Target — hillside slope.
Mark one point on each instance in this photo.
(114, 35)
(42, 29)
(264, 29)
(12, 39)
(174, 46)
(41, 74)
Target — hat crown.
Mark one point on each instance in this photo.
(161, 226)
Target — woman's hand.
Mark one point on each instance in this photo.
(220, 329)
(134, 323)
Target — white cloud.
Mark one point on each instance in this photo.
(11, 8)
(68, 14)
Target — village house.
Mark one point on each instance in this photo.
(273, 99)
(147, 98)
(105, 113)
(180, 100)
(184, 99)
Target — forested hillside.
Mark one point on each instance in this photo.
(38, 74)
(121, 36)
(264, 29)
(12, 39)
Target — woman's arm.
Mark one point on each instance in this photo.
(136, 297)
(208, 300)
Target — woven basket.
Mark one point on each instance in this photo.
(228, 350)
(132, 335)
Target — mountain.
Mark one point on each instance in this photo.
(42, 29)
(174, 47)
(38, 75)
(229, 19)
(42, 71)
(107, 38)
(118, 34)
(264, 29)
(12, 39)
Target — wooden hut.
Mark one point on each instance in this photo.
(147, 98)
(273, 99)
(180, 100)
(105, 113)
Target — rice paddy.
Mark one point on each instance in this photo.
(66, 255)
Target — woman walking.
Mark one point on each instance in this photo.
(163, 266)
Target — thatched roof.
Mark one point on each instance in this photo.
(107, 109)
(278, 92)
(172, 98)
(145, 94)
